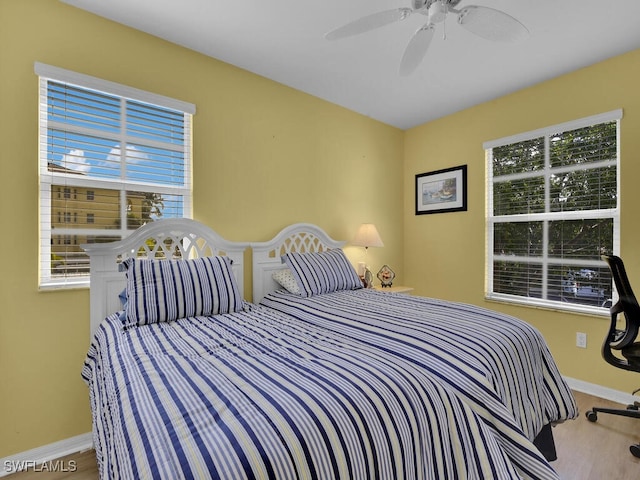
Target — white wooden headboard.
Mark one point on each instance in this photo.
(299, 237)
(167, 238)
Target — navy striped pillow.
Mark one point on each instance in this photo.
(322, 272)
(165, 290)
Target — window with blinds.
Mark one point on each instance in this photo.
(112, 158)
(552, 211)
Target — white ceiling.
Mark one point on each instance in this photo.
(284, 40)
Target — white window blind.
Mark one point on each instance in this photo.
(552, 211)
(112, 158)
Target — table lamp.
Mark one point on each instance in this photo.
(366, 236)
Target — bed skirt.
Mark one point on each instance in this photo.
(545, 443)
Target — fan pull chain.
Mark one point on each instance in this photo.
(444, 26)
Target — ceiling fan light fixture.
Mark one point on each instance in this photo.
(485, 22)
(437, 11)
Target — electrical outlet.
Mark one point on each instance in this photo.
(581, 340)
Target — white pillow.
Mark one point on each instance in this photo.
(286, 280)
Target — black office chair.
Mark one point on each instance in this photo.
(622, 340)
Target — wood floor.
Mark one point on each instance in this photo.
(600, 450)
(586, 450)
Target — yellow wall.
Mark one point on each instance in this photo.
(264, 156)
(445, 253)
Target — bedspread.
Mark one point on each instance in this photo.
(499, 365)
(260, 394)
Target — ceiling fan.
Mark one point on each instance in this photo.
(485, 22)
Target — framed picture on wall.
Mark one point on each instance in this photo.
(442, 191)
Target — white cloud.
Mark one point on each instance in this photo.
(75, 160)
(133, 154)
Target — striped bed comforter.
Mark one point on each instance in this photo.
(498, 365)
(260, 394)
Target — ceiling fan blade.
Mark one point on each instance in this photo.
(416, 49)
(368, 23)
(492, 24)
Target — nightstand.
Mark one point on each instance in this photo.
(393, 289)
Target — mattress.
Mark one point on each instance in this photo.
(263, 394)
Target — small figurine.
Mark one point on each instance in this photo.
(386, 276)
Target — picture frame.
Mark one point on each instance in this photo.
(442, 191)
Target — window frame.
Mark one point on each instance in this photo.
(48, 178)
(547, 215)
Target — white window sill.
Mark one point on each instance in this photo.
(602, 312)
(64, 285)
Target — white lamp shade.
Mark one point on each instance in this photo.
(367, 236)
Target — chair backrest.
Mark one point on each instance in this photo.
(627, 304)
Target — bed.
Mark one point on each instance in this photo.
(188, 380)
(499, 365)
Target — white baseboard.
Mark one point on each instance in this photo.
(46, 453)
(600, 391)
